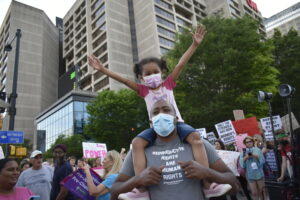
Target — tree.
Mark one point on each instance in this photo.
(229, 67)
(73, 143)
(287, 61)
(116, 117)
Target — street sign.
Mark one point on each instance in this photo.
(11, 137)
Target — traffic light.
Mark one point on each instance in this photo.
(2, 97)
(12, 150)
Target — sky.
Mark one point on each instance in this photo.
(59, 8)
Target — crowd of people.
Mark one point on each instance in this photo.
(35, 179)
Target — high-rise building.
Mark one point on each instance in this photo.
(284, 20)
(236, 9)
(101, 28)
(38, 64)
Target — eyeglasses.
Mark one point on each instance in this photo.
(249, 141)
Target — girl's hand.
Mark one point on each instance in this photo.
(199, 34)
(95, 63)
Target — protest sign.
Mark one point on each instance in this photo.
(230, 159)
(211, 137)
(239, 142)
(266, 126)
(226, 132)
(286, 123)
(271, 164)
(238, 114)
(202, 132)
(76, 183)
(94, 150)
(1, 153)
(248, 125)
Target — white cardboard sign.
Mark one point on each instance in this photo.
(211, 137)
(266, 126)
(286, 123)
(1, 153)
(94, 150)
(226, 132)
(202, 132)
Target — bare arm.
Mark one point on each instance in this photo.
(220, 173)
(124, 183)
(197, 39)
(93, 189)
(96, 64)
(62, 194)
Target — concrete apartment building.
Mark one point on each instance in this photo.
(38, 64)
(236, 9)
(284, 20)
(101, 28)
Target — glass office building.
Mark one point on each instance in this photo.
(66, 117)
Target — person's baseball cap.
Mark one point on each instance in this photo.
(35, 153)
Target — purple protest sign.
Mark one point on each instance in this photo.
(77, 185)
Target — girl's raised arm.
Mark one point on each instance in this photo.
(96, 64)
(198, 36)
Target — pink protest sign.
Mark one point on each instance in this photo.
(94, 150)
(239, 141)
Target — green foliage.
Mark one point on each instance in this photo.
(116, 117)
(73, 143)
(287, 61)
(229, 67)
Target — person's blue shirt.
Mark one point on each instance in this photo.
(108, 182)
(253, 166)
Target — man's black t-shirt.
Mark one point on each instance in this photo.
(60, 172)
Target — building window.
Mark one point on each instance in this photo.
(163, 50)
(101, 50)
(95, 5)
(98, 12)
(99, 22)
(165, 22)
(166, 32)
(163, 4)
(234, 10)
(166, 42)
(182, 22)
(101, 84)
(164, 13)
(100, 39)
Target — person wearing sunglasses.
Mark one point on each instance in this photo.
(37, 178)
(252, 160)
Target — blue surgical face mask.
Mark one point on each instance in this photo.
(163, 124)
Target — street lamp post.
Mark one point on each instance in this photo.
(13, 96)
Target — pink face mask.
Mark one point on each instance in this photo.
(153, 81)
